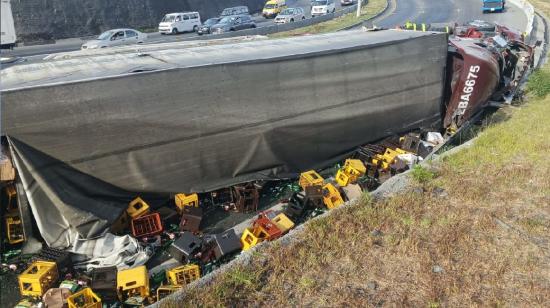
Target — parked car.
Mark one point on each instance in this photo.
(273, 7)
(322, 7)
(347, 2)
(290, 15)
(116, 37)
(233, 23)
(175, 23)
(237, 10)
(205, 28)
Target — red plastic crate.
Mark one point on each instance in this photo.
(266, 229)
(147, 225)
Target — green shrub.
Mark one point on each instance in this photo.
(539, 83)
(421, 174)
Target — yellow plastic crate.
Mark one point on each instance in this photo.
(183, 200)
(386, 159)
(137, 208)
(249, 240)
(84, 298)
(183, 275)
(14, 228)
(283, 222)
(24, 303)
(332, 197)
(352, 170)
(12, 198)
(166, 290)
(38, 278)
(134, 281)
(310, 178)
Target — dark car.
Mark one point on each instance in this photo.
(233, 23)
(205, 28)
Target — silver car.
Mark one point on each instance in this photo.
(116, 37)
(290, 14)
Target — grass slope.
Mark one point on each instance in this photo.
(474, 232)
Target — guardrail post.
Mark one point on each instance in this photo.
(358, 8)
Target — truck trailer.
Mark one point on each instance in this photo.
(88, 134)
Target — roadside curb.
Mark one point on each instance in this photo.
(384, 11)
(543, 57)
(529, 11)
(272, 29)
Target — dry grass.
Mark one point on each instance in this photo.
(543, 5)
(486, 242)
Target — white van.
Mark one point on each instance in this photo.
(8, 38)
(180, 22)
(322, 7)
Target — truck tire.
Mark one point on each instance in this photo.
(195, 28)
(175, 31)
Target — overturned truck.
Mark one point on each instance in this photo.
(89, 134)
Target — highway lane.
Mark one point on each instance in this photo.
(426, 11)
(155, 37)
(443, 11)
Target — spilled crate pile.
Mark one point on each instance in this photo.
(176, 231)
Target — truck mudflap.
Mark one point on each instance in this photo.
(483, 71)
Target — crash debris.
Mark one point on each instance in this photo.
(155, 245)
(174, 232)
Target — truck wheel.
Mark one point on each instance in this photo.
(175, 31)
(334, 10)
(292, 20)
(303, 17)
(195, 28)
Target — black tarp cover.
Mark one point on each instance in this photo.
(89, 133)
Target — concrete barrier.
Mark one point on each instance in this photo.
(529, 11)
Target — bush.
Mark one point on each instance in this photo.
(539, 83)
(421, 174)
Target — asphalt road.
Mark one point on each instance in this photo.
(427, 11)
(152, 38)
(443, 11)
